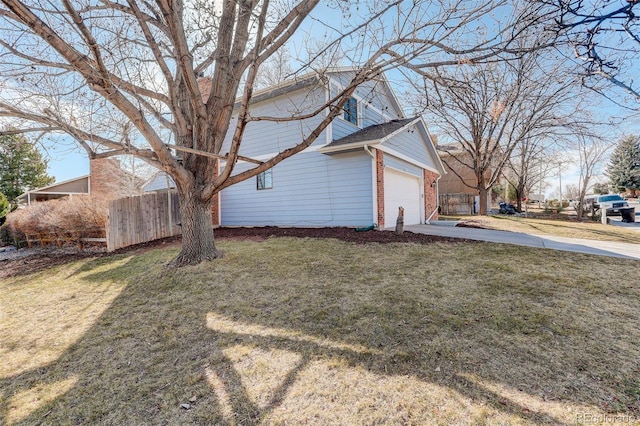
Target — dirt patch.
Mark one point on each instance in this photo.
(32, 260)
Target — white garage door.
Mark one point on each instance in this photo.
(401, 189)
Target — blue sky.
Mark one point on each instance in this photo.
(67, 161)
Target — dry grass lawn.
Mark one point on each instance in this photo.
(560, 228)
(304, 331)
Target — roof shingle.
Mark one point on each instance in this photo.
(372, 133)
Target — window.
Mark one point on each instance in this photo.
(351, 111)
(265, 180)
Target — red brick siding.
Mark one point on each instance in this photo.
(215, 207)
(430, 194)
(380, 187)
(108, 180)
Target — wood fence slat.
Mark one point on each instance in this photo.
(135, 220)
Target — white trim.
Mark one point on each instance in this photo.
(374, 185)
(329, 129)
(395, 169)
(397, 131)
(358, 144)
(347, 146)
(219, 194)
(359, 121)
(406, 158)
(54, 193)
(64, 182)
(432, 148)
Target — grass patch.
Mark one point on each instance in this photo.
(307, 331)
(559, 228)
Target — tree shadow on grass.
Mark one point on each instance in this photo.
(222, 344)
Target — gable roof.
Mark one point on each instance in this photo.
(374, 133)
(79, 185)
(300, 82)
(376, 136)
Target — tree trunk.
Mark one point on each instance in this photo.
(197, 231)
(519, 195)
(483, 201)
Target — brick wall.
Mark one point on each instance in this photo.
(108, 180)
(215, 207)
(380, 187)
(430, 194)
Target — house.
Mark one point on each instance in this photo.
(106, 179)
(457, 188)
(368, 162)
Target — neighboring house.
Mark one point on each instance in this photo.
(76, 186)
(106, 179)
(457, 188)
(367, 163)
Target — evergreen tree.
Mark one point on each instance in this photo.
(4, 208)
(624, 166)
(21, 167)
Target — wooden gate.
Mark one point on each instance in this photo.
(148, 217)
(452, 204)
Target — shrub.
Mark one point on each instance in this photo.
(5, 235)
(79, 215)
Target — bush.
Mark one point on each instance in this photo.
(5, 235)
(79, 215)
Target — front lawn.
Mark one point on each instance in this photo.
(557, 227)
(321, 331)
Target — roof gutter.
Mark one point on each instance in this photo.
(366, 149)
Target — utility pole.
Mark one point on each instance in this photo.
(540, 185)
(560, 179)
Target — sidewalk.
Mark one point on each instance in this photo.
(601, 248)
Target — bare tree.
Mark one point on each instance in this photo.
(527, 167)
(605, 36)
(571, 191)
(275, 70)
(534, 156)
(591, 151)
(492, 111)
(121, 76)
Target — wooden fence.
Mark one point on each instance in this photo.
(135, 220)
(457, 204)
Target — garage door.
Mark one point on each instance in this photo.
(401, 189)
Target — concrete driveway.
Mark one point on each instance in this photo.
(601, 248)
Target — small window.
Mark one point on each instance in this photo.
(351, 111)
(265, 180)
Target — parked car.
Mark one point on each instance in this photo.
(611, 202)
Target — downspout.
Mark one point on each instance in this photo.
(428, 221)
(366, 148)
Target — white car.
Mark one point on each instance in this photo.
(612, 203)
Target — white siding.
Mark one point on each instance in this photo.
(411, 143)
(269, 137)
(309, 189)
(158, 183)
(398, 164)
(374, 105)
